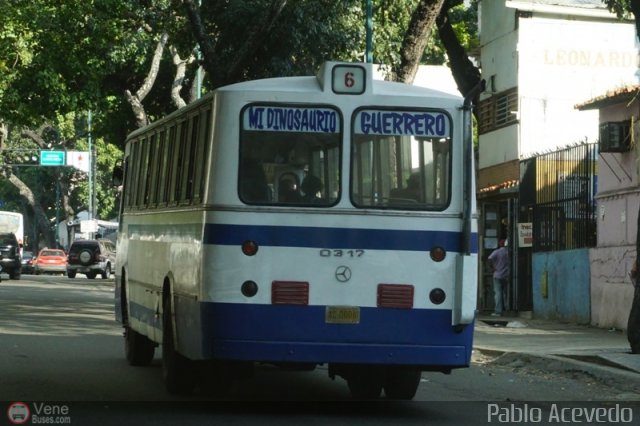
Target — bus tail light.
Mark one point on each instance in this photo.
(290, 293)
(395, 296)
(438, 254)
(249, 248)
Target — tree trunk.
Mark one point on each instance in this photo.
(256, 38)
(40, 217)
(415, 39)
(231, 73)
(465, 73)
(207, 46)
(135, 100)
(178, 79)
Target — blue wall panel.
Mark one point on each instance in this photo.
(567, 286)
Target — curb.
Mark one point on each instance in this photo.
(607, 373)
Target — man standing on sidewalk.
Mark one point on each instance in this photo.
(499, 262)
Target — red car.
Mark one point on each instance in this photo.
(50, 261)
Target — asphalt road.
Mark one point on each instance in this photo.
(61, 347)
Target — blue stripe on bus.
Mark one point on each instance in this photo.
(344, 238)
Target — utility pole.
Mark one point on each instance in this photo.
(369, 28)
(199, 69)
(91, 169)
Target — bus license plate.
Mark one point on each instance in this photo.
(342, 315)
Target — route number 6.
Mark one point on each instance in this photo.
(348, 79)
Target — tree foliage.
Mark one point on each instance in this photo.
(133, 62)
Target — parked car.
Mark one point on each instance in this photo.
(91, 257)
(50, 261)
(27, 262)
(10, 255)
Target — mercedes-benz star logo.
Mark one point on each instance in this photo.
(343, 274)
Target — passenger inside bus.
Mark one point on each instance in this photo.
(411, 194)
(253, 182)
(288, 189)
(311, 186)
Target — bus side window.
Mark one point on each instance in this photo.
(189, 158)
(170, 168)
(201, 156)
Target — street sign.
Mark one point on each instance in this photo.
(52, 158)
(79, 160)
(87, 226)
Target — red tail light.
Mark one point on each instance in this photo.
(290, 293)
(395, 296)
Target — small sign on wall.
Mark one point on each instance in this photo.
(525, 234)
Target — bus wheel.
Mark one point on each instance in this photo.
(365, 383)
(138, 348)
(401, 383)
(177, 370)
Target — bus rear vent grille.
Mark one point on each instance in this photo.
(395, 296)
(290, 293)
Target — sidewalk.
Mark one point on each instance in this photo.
(597, 350)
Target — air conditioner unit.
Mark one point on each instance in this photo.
(615, 136)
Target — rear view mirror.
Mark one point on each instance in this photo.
(117, 175)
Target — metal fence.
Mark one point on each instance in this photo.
(557, 196)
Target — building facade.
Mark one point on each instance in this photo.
(539, 59)
(618, 201)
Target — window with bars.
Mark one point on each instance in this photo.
(498, 111)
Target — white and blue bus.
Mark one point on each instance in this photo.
(302, 221)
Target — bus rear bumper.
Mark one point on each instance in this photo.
(426, 357)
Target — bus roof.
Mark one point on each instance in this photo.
(323, 82)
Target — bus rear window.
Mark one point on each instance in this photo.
(290, 155)
(401, 159)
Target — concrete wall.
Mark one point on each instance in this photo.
(618, 201)
(565, 278)
(611, 288)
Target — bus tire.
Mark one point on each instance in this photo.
(138, 349)
(365, 383)
(177, 370)
(402, 383)
(91, 275)
(71, 274)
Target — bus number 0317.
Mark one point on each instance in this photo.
(341, 253)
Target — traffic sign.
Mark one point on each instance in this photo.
(52, 158)
(79, 160)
